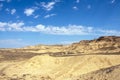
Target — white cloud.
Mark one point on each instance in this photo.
(1, 5)
(111, 32)
(48, 6)
(13, 11)
(49, 15)
(75, 8)
(9, 1)
(77, 1)
(11, 26)
(29, 11)
(2, 24)
(57, 0)
(113, 1)
(89, 6)
(2, 0)
(36, 16)
(15, 26)
(56, 30)
(17, 17)
(7, 9)
(10, 11)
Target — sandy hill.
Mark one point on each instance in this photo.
(102, 45)
(44, 48)
(60, 68)
(85, 60)
(111, 73)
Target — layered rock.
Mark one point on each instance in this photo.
(105, 44)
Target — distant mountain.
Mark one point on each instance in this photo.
(102, 45)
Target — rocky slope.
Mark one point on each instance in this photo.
(111, 73)
(102, 45)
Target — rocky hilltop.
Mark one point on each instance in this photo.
(102, 45)
(110, 73)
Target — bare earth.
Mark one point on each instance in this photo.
(97, 59)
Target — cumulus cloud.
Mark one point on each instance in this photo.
(17, 17)
(77, 1)
(9, 1)
(7, 9)
(15, 26)
(2, 24)
(1, 5)
(89, 6)
(11, 26)
(48, 6)
(13, 11)
(10, 11)
(113, 1)
(75, 8)
(6, 1)
(29, 11)
(2, 0)
(56, 30)
(36, 16)
(49, 15)
(111, 32)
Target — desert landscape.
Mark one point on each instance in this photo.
(97, 59)
(59, 39)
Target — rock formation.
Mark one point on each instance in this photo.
(102, 45)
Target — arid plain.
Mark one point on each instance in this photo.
(97, 59)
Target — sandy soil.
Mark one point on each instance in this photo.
(45, 67)
(97, 59)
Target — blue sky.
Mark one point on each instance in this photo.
(31, 22)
